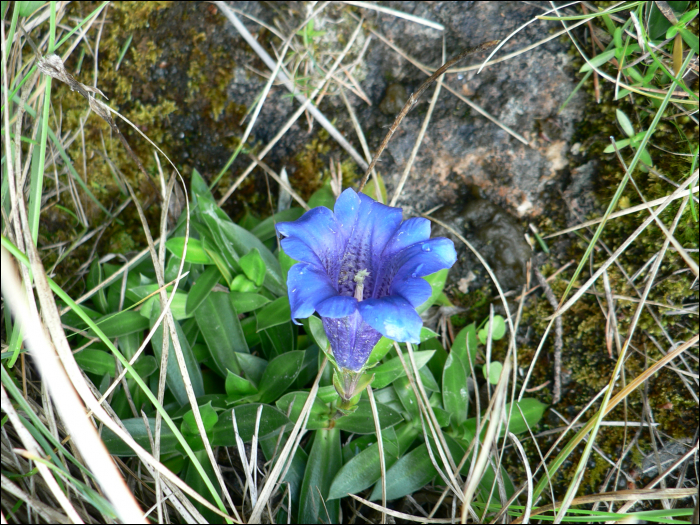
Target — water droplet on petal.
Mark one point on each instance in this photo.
(413, 274)
(294, 290)
(426, 248)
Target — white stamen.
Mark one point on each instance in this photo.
(360, 280)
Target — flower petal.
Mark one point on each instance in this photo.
(366, 236)
(417, 260)
(393, 317)
(410, 232)
(346, 208)
(337, 306)
(351, 340)
(424, 258)
(308, 285)
(313, 239)
(415, 290)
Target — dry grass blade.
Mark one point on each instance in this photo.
(619, 397)
(363, 141)
(380, 447)
(70, 408)
(53, 67)
(689, 261)
(626, 211)
(528, 473)
(287, 452)
(279, 181)
(48, 513)
(631, 496)
(306, 104)
(578, 476)
(320, 118)
(497, 405)
(400, 515)
(398, 14)
(624, 245)
(27, 440)
(559, 335)
(60, 386)
(427, 414)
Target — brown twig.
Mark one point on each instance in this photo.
(558, 336)
(413, 99)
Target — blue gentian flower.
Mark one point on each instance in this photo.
(360, 268)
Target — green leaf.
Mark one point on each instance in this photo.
(221, 329)
(455, 393)
(242, 284)
(494, 372)
(249, 221)
(27, 8)
(237, 386)
(195, 251)
(437, 362)
(277, 312)
(598, 61)
(363, 470)
(266, 229)
(387, 373)
(658, 23)
(199, 187)
(324, 461)
(172, 269)
(409, 474)
(319, 416)
(279, 375)
(362, 422)
(625, 123)
(253, 266)
(371, 190)
(385, 344)
(96, 362)
(145, 366)
(194, 480)
(245, 302)
(178, 306)
(272, 422)
(286, 262)
(123, 323)
(252, 337)
(94, 278)
(209, 419)
(407, 398)
(253, 367)
(437, 284)
(174, 378)
(323, 196)
(531, 408)
(201, 288)
(129, 344)
(137, 429)
(277, 340)
(219, 261)
(691, 39)
(624, 142)
(497, 332)
(319, 333)
(236, 241)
